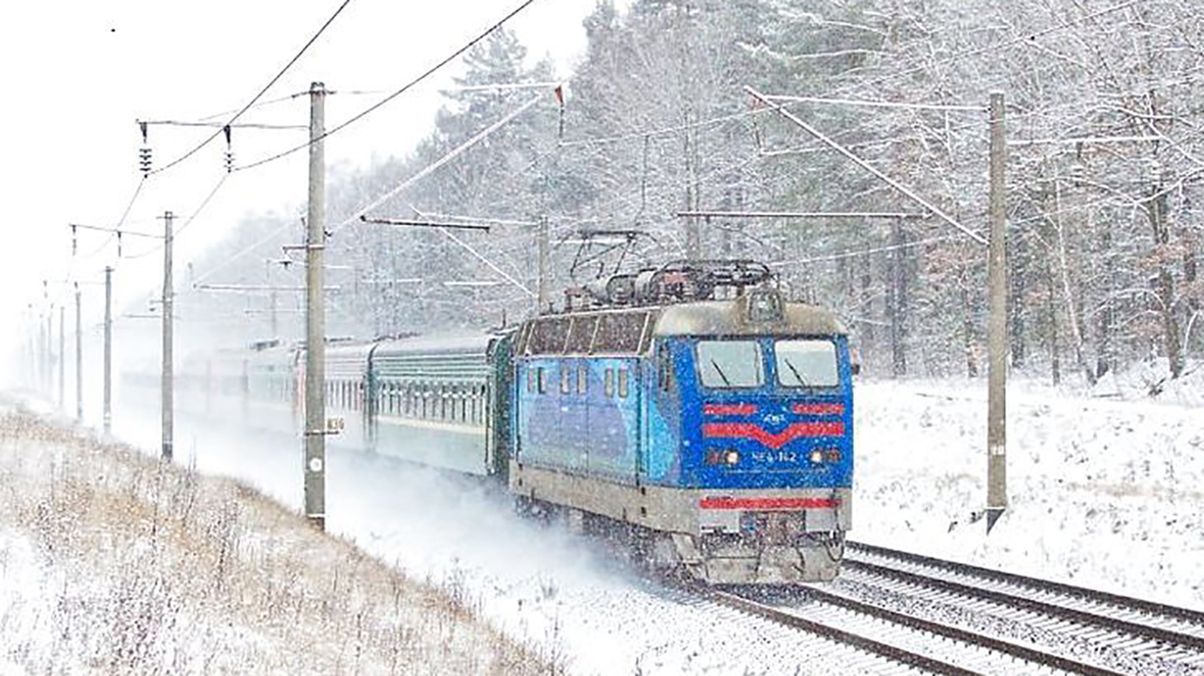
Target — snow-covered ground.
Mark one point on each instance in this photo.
(112, 563)
(1105, 492)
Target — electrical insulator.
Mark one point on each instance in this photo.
(144, 159)
(229, 150)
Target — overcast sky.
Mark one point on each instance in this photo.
(78, 73)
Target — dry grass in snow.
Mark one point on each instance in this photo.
(113, 562)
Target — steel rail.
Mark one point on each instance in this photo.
(1158, 634)
(1126, 602)
(1025, 653)
(890, 652)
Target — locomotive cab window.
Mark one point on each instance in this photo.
(806, 363)
(730, 363)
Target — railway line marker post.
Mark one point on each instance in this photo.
(79, 359)
(108, 356)
(315, 318)
(997, 500)
(167, 400)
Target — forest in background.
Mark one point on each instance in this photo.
(1106, 159)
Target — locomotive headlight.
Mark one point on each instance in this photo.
(732, 457)
(817, 456)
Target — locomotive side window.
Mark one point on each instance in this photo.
(541, 380)
(609, 383)
(619, 332)
(582, 378)
(566, 379)
(730, 363)
(581, 333)
(548, 336)
(623, 383)
(806, 363)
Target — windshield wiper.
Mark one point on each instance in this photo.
(793, 370)
(718, 370)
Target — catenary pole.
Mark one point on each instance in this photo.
(543, 293)
(997, 322)
(79, 359)
(62, 357)
(315, 318)
(167, 400)
(108, 356)
(48, 350)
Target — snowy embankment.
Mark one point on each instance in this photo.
(112, 561)
(1106, 488)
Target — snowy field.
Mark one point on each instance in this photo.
(1105, 492)
(111, 562)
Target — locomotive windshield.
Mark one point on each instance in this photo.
(730, 363)
(806, 363)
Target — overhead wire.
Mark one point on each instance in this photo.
(188, 222)
(398, 92)
(354, 216)
(261, 92)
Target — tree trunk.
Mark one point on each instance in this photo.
(896, 300)
(1164, 284)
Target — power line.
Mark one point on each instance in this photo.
(191, 219)
(262, 91)
(875, 103)
(404, 88)
(354, 216)
(219, 125)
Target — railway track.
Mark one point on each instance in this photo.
(1082, 630)
(913, 612)
(907, 640)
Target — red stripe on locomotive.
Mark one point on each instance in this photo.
(724, 502)
(754, 432)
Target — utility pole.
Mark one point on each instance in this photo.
(108, 358)
(315, 317)
(271, 298)
(168, 392)
(543, 293)
(62, 356)
(79, 359)
(997, 322)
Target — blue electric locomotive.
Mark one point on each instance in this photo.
(719, 430)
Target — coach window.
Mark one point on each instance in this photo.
(730, 363)
(541, 380)
(622, 383)
(582, 378)
(608, 386)
(566, 378)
